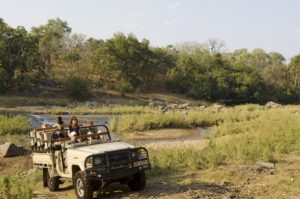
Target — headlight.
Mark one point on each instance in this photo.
(99, 161)
(139, 154)
(133, 154)
(89, 162)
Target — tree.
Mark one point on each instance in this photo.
(18, 55)
(294, 70)
(127, 62)
(50, 37)
(215, 45)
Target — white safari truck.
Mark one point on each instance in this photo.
(91, 164)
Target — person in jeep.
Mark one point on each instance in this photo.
(73, 129)
(57, 133)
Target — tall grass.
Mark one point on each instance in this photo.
(18, 186)
(273, 133)
(109, 110)
(199, 118)
(13, 124)
(241, 135)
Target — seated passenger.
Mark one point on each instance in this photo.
(91, 130)
(44, 126)
(73, 129)
(57, 133)
(60, 121)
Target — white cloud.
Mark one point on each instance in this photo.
(136, 13)
(298, 30)
(174, 5)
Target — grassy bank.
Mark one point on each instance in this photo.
(13, 124)
(124, 109)
(243, 134)
(201, 118)
(12, 101)
(19, 186)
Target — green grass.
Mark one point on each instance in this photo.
(11, 101)
(109, 110)
(241, 135)
(13, 124)
(18, 186)
(177, 119)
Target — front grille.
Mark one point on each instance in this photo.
(119, 159)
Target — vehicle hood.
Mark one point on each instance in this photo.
(84, 151)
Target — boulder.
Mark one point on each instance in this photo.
(265, 165)
(9, 149)
(217, 108)
(184, 106)
(151, 104)
(91, 103)
(273, 105)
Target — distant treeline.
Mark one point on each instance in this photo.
(51, 55)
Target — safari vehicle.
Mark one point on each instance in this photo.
(90, 164)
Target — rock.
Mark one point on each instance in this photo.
(265, 165)
(151, 104)
(173, 106)
(272, 171)
(226, 183)
(273, 105)
(91, 103)
(202, 107)
(184, 106)
(217, 108)
(62, 113)
(9, 149)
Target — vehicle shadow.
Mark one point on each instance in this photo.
(66, 188)
(156, 189)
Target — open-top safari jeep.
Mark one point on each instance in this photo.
(90, 164)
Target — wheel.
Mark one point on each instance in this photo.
(45, 177)
(53, 182)
(138, 182)
(83, 187)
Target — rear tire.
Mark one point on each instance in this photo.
(45, 177)
(138, 182)
(83, 187)
(53, 183)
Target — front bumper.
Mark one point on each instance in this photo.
(97, 174)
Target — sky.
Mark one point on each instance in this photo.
(273, 25)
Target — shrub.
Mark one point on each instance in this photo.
(13, 124)
(78, 88)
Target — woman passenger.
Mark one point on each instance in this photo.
(73, 129)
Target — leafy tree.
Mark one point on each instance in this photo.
(18, 55)
(50, 37)
(294, 70)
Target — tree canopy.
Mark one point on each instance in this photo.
(52, 53)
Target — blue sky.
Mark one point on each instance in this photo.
(273, 25)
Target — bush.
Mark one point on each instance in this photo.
(13, 125)
(125, 86)
(78, 88)
(3, 80)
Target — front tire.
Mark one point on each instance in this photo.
(138, 182)
(83, 187)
